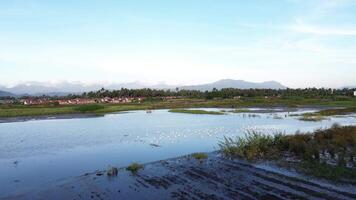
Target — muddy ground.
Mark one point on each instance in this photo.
(187, 178)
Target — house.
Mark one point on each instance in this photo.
(354, 93)
(76, 101)
(34, 101)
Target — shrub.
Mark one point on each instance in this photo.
(134, 167)
(199, 156)
(253, 146)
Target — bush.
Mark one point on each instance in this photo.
(134, 167)
(253, 146)
(199, 156)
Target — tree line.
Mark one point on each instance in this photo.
(222, 93)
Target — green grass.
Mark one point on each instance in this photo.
(201, 112)
(199, 156)
(323, 170)
(323, 114)
(89, 108)
(252, 146)
(331, 112)
(336, 144)
(134, 168)
(25, 110)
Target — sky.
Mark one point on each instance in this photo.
(300, 43)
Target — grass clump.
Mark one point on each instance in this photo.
(89, 108)
(196, 112)
(252, 146)
(134, 168)
(199, 156)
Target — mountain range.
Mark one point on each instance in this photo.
(241, 84)
(5, 94)
(64, 88)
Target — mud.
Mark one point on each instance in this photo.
(186, 178)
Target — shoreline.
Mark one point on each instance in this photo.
(186, 177)
(47, 117)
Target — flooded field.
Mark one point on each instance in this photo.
(36, 153)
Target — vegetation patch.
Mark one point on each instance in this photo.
(196, 112)
(320, 152)
(199, 156)
(342, 111)
(328, 112)
(252, 146)
(134, 168)
(323, 170)
(240, 111)
(311, 118)
(89, 108)
(15, 110)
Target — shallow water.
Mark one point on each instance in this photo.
(36, 153)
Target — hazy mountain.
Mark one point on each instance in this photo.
(6, 94)
(64, 88)
(230, 83)
(349, 87)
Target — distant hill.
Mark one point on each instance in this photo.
(65, 88)
(230, 83)
(6, 94)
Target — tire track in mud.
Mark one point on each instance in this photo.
(222, 176)
(185, 178)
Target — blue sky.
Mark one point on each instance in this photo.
(299, 43)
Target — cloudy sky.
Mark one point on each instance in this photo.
(299, 43)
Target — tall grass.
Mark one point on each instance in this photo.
(328, 153)
(336, 143)
(252, 146)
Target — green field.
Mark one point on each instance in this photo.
(36, 110)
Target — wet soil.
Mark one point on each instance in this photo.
(187, 178)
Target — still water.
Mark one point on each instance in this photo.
(36, 153)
